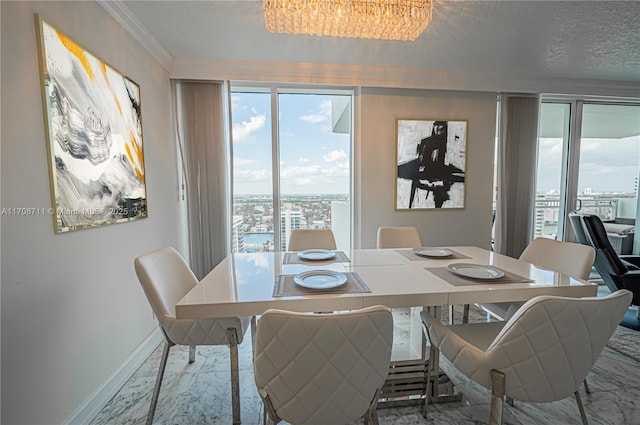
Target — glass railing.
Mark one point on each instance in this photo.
(547, 212)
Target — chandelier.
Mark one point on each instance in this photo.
(380, 19)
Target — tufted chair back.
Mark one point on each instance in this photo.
(302, 239)
(322, 368)
(545, 350)
(398, 237)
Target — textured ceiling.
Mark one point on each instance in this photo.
(535, 40)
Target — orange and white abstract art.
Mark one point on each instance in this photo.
(94, 136)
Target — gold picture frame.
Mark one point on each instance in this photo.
(93, 127)
(431, 164)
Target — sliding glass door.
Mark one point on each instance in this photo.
(588, 161)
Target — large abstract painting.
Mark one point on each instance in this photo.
(94, 136)
(430, 160)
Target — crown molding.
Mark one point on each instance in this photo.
(394, 77)
(127, 20)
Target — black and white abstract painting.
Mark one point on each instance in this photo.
(94, 132)
(431, 159)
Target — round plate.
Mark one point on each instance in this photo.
(432, 252)
(320, 279)
(475, 271)
(316, 254)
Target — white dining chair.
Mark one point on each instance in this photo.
(322, 368)
(568, 258)
(302, 239)
(165, 279)
(398, 237)
(541, 354)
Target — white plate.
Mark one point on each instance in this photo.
(316, 254)
(432, 252)
(320, 279)
(475, 271)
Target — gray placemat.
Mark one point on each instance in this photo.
(409, 254)
(292, 258)
(452, 278)
(285, 287)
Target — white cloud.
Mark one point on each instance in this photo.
(313, 118)
(242, 162)
(314, 173)
(322, 114)
(236, 103)
(334, 156)
(608, 165)
(243, 176)
(303, 160)
(243, 132)
(295, 172)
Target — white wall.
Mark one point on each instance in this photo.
(381, 108)
(72, 308)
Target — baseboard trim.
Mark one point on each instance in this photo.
(101, 396)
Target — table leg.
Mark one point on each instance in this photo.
(410, 381)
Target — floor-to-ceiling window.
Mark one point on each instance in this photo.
(588, 160)
(291, 164)
(553, 140)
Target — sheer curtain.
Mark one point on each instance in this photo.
(202, 134)
(517, 153)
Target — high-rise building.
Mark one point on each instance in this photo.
(290, 219)
(237, 235)
(341, 224)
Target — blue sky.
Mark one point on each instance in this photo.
(606, 165)
(313, 159)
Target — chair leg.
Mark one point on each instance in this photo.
(253, 336)
(432, 379)
(192, 354)
(371, 416)
(269, 412)
(156, 390)
(583, 415)
(235, 378)
(424, 395)
(586, 386)
(497, 397)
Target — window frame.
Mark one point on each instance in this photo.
(274, 90)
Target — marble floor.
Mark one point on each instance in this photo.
(199, 393)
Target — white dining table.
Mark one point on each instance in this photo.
(242, 284)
